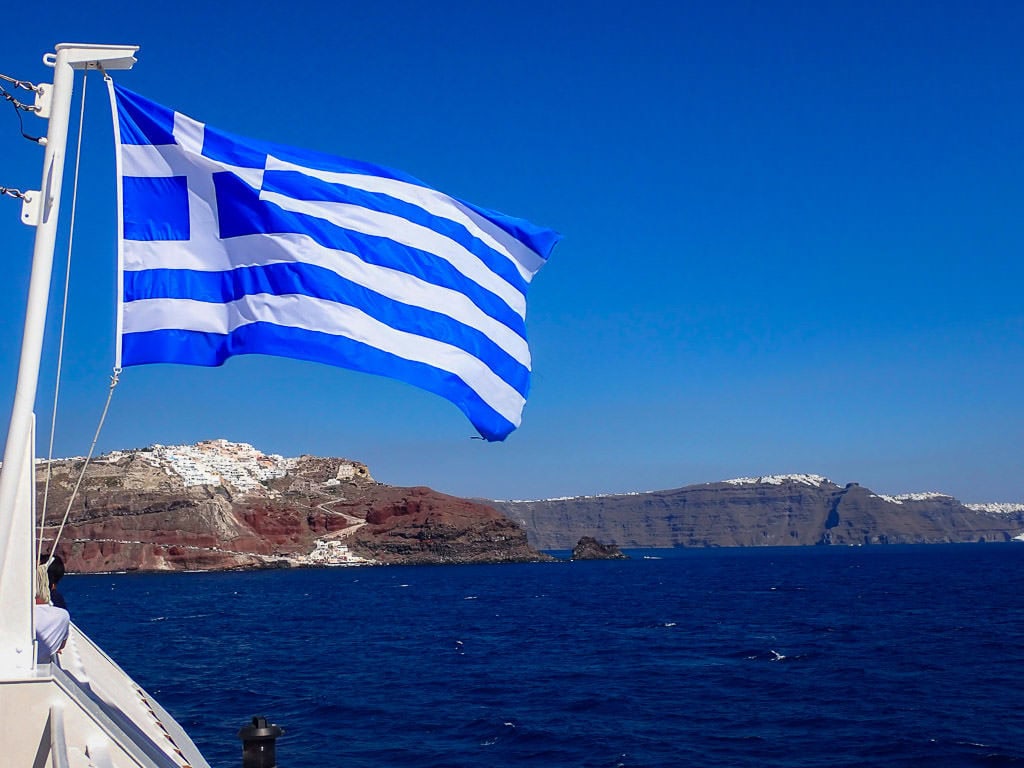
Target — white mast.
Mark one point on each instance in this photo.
(17, 497)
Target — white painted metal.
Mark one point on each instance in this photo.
(58, 742)
(44, 99)
(30, 208)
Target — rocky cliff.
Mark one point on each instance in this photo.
(218, 505)
(222, 505)
(770, 511)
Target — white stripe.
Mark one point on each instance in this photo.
(161, 160)
(205, 255)
(262, 250)
(436, 203)
(325, 317)
(409, 233)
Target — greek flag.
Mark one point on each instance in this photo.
(232, 246)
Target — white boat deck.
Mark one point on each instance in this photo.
(85, 712)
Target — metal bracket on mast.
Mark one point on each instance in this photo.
(30, 209)
(44, 102)
(89, 56)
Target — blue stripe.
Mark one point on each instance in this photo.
(302, 187)
(211, 349)
(310, 280)
(227, 147)
(540, 240)
(232, 150)
(142, 121)
(241, 212)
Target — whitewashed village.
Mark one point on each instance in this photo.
(245, 470)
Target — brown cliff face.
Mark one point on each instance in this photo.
(756, 514)
(131, 515)
(422, 526)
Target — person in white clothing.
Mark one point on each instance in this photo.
(52, 623)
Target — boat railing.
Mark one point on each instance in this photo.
(58, 743)
(103, 688)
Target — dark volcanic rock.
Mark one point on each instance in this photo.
(798, 510)
(589, 548)
(419, 525)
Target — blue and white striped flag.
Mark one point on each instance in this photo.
(233, 246)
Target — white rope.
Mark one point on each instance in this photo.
(63, 319)
(85, 465)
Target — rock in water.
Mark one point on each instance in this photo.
(589, 548)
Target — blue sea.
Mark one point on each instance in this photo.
(790, 657)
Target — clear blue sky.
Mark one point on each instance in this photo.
(793, 232)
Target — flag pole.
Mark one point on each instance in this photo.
(41, 210)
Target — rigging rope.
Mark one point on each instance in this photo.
(60, 357)
(17, 104)
(12, 192)
(19, 107)
(63, 317)
(85, 464)
(25, 84)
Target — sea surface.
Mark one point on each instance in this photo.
(790, 657)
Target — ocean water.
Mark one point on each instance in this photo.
(869, 656)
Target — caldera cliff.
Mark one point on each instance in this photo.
(777, 510)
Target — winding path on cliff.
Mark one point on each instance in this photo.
(355, 522)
